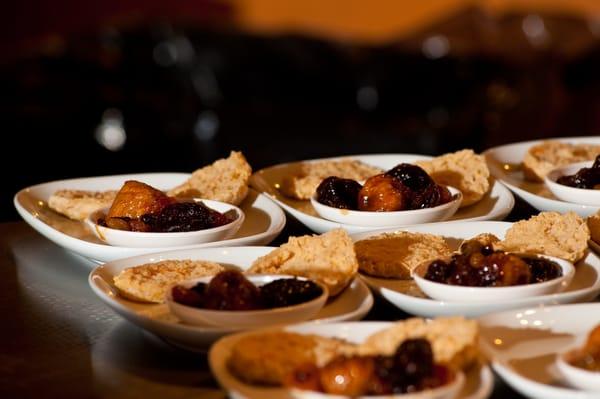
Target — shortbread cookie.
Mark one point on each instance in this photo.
(549, 233)
(395, 255)
(303, 185)
(267, 358)
(78, 204)
(150, 282)
(453, 340)
(328, 258)
(542, 158)
(225, 180)
(593, 223)
(463, 170)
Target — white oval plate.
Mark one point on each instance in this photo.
(352, 304)
(479, 381)
(264, 220)
(505, 165)
(405, 294)
(494, 206)
(523, 344)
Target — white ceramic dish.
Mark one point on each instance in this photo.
(136, 239)
(352, 304)
(386, 219)
(448, 391)
(478, 382)
(523, 345)
(457, 293)
(577, 377)
(496, 205)
(406, 295)
(505, 165)
(264, 220)
(248, 319)
(572, 194)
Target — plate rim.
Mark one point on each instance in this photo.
(68, 242)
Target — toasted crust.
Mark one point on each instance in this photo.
(395, 255)
(78, 204)
(453, 339)
(266, 358)
(150, 282)
(304, 185)
(550, 233)
(328, 258)
(225, 180)
(463, 170)
(593, 223)
(542, 158)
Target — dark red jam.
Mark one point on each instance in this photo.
(404, 187)
(481, 266)
(231, 290)
(410, 369)
(588, 178)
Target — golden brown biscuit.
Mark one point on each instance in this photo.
(395, 255)
(463, 170)
(453, 339)
(224, 180)
(266, 358)
(549, 233)
(78, 204)
(304, 185)
(328, 258)
(542, 158)
(593, 223)
(150, 282)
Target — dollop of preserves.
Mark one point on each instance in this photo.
(404, 187)
(482, 266)
(588, 178)
(588, 357)
(231, 290)
(410, 369)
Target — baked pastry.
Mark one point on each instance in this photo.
(395, 255)
(593, 223)
(542, 158)
(267, 358)
(328, 258)
(79, 204)
(303, 185)
(150, 282)
(453, 339)
(225, 180)
(463, 170)
(549, 233)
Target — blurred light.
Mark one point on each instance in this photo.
(435, 47)
(206, 85)
(206, 126)
(594, 25)
(438, 117)
(110, 133)
(177, 50)
(367, 98)
(535, 30)
(498, 341)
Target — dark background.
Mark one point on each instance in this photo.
(185, 92)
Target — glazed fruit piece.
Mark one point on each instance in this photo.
(135, 199)
(383, 193)
(339, 193)
(588, 178)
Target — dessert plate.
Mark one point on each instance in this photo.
(523, 344)
(352, 304)
(505, 165)
(404, 294)
(496, 204)
(479, 380)
(264, 220)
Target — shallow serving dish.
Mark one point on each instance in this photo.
(137, 239)
(385, 219)
(458, 293)
(478, 380)
(351, 304)
(575, 195)
(495, 205)
(248, 318)
(264, 220)
(505, 165)
(577, 377)
(406, 295)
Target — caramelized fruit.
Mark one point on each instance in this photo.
(383, 193)
(339, 193)
(588, 178)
